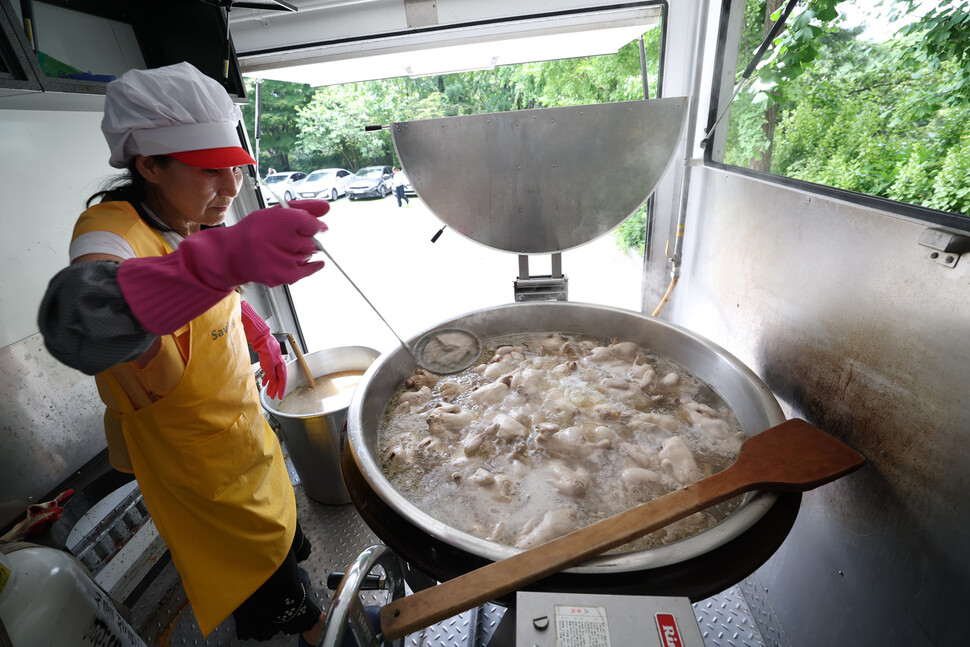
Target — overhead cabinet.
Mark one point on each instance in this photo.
(75, 47)
(17, 76)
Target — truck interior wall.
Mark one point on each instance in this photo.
(855, 329)
(50, 415)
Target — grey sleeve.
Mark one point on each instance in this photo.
(86, 322)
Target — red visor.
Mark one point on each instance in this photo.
(215, 157)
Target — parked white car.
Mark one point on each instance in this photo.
(326, 184)
(282, 185)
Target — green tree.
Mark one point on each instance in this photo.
(885, 119)
(596, 79)
(769, 117)
(334, 121)
(835, 129)
(755, 115)
(951, 189)
(481, 91)
(279, 127)
(796, 47)
(937, 40)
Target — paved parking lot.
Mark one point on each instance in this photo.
(387, 251)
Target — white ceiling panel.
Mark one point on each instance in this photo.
(391, 49)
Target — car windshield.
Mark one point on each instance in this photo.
(374, 171)
(275, 179)
(318, 175)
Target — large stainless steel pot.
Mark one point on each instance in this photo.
(698, 566)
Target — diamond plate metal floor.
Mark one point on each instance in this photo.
(163, 617)
(726, 621)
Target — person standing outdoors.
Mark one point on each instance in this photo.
(149, 305)
(399, 181)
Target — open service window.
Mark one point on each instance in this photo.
(866, 100)
(312, 117)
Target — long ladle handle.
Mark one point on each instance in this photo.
(364, 297)
(350, 280)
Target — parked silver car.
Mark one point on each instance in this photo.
(371, 182)
(326, 184)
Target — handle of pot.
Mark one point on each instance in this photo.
(345, 604)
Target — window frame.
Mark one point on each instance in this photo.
(722, 77)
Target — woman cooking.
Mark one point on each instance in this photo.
(149, 304)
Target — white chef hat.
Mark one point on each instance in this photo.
(174, 110)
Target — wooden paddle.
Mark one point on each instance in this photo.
(791, 457)
(301, 361)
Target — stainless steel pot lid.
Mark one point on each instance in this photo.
(545, 180)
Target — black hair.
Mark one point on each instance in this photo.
(129, 187)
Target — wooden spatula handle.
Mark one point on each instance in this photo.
(794, 456)
(436, 603)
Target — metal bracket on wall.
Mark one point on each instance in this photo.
(946, 247)
(547, 287)
(421, 13)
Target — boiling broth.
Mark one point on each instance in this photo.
(575, 426)
(333, 392)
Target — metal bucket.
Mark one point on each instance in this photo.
(314, 439)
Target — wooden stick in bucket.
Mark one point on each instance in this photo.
(299, 358)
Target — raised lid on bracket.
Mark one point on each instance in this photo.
(545, 180)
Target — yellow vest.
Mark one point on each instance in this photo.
(208, 465)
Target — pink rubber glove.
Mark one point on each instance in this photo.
(268, 349)
(269, 246)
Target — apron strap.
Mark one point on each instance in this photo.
(118, 454)
(121, 398)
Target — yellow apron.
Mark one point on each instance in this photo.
(211, 470)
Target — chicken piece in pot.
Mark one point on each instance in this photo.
(555, 523)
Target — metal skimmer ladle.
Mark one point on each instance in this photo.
(445, 351)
